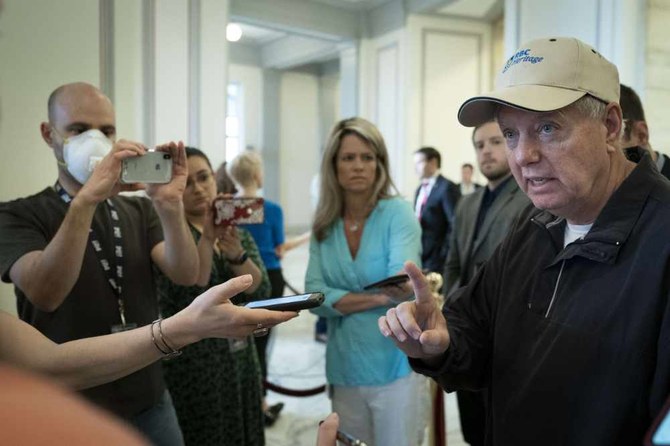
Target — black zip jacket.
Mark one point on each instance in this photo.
(573, 344)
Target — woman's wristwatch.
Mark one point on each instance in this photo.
(240, 259)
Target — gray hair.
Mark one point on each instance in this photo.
(590, 107)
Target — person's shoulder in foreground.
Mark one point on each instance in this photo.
(27, 400)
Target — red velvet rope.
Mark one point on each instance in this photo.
(292, 392)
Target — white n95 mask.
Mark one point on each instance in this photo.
(83, 152)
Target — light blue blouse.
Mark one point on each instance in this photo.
(357, 354)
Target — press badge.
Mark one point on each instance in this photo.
(237, 344)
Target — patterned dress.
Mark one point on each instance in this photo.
(215, 384)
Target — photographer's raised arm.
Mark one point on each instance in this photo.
(90, 362)
(47, 276)
(177, 254)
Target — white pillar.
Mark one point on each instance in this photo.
(213, 75)
(348, 82)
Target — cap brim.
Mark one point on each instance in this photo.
(537, 98)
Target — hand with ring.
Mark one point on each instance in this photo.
(260, 330)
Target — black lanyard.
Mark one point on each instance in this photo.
(113, 272)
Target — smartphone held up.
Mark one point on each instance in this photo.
(153, 167)
(238, 211)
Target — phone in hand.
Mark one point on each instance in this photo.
(289, 303)
(347, 440)
(238, 211)
(389, 281)
(152, 168)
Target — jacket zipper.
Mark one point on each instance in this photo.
(553, 297)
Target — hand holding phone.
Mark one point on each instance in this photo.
(153, 167)
(389, 281)
(238, 211)
(289, 303)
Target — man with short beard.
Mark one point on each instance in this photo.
(483, 218)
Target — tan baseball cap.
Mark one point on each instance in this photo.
(545, 75)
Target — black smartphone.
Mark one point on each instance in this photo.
(347, 440)
(393, 280)
(289, 303)
(659, 434)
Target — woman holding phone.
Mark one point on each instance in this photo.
(362, 233)
(215, 384)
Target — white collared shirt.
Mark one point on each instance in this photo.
(467, 188)
(424, 193)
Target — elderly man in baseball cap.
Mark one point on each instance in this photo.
(568, 324)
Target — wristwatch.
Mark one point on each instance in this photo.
(240, 260)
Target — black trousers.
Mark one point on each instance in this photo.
(277, 290)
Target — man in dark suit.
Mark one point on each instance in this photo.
(482, 221)
(635, 138)
(434, 204)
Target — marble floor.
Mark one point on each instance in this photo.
(297, 361)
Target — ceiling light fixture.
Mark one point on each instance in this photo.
(233, 32)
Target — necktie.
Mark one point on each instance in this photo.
(424, 197)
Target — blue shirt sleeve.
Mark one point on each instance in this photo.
(404, 237)
(314, 282)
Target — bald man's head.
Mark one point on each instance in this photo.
(78, 107)
(72, 95)
(75, 108)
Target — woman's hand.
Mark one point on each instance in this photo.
(212, 315)
(209, 230)
(400, 292)
(328, 430)
(230, 244)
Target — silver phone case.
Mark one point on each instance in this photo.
(150, 168)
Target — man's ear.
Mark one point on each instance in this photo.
(46, 131)
(641, 133)
(613, 124)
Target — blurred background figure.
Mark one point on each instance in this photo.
(635, 136)
(224, 185)
(216, 384)
(363, 232)
(482, 222)
(434, 205)
(467, 186)
(246, 171)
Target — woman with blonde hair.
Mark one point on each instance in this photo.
(362, 233)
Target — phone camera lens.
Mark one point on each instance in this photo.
(166, 156)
